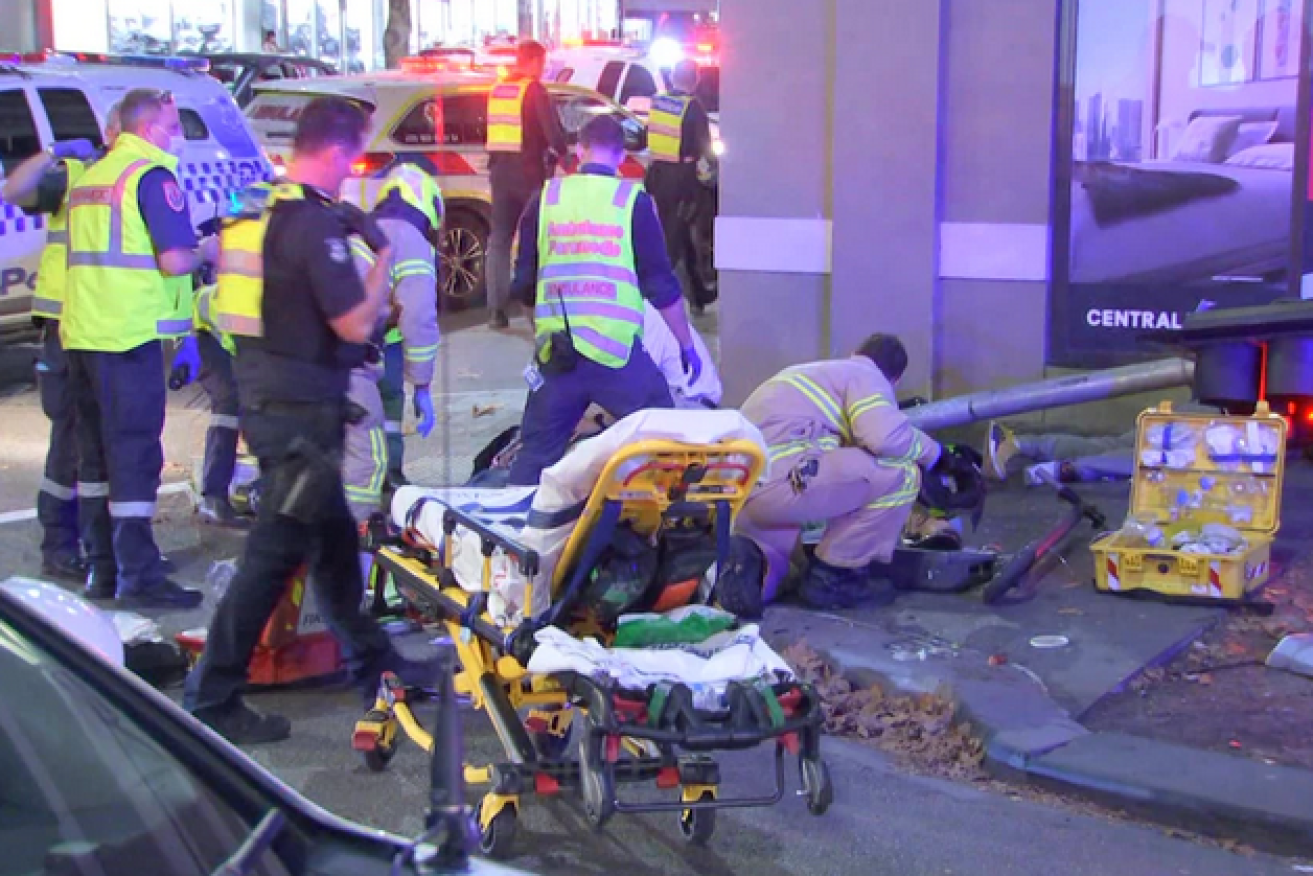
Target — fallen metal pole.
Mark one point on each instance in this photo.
(1055, 393)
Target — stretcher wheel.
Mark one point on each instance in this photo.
(598, 786)
(697, 825)
(378, 757)
(816, 785)
(496, 840)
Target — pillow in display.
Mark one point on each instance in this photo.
(1207, 139)
(1251, 134)
(1270, 156)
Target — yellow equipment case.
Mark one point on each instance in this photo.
(1199, 481)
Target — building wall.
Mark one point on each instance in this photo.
(20, 31)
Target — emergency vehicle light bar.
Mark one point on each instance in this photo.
(158, 62)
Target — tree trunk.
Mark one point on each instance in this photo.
(396, 39)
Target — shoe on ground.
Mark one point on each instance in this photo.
(1000, 449)
(498, 320)
(66, 567)
(242, 725)
(101, 584)
(832, 588)
(163, 594)
(218, 511)
(1048, 472)
(167, 566)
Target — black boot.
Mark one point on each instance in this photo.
(242, 725)
(163, 594)
(101, 584)
(220, 512)
(66, 567)
(831, 588)
(739, 584)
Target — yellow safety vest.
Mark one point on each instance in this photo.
(238, 306)
(586, 267)
(116, 298)
(52, 273)
(665, 125)
(506, 116)
(203, 319)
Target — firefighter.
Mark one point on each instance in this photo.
(679, 137)
(525, 140)
(130, 231)
(591, 250)
(841, 453)
(39, 185)
(301, 319)
(409, 212)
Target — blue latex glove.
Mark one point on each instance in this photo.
(83, 150)
(186, 363)
(424, 411)
(692, 364)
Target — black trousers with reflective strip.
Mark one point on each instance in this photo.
(56, 502)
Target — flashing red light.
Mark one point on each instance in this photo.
(706, 48)
(371, 164)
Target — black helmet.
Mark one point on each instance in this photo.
(955, 485)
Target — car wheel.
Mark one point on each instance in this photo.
(464, 249)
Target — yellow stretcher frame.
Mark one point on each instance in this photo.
(641, 484)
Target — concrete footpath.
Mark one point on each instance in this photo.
(1026, 702)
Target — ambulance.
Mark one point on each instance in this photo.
(66, 96)
(433, 113)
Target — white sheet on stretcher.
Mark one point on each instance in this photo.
(707, 668)
(542, 518)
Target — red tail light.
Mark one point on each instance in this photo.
(371, 164)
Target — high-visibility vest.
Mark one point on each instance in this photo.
(665, 125)
(506, 115)
(238, 305)
(203, 319)
(115, 297)
(52, 273)
(586, 270)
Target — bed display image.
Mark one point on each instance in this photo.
(1218, 206)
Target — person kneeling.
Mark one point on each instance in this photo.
(842, 453)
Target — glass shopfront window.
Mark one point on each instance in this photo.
(1177, 168)
(161, 27)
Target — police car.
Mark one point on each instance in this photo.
(48, 98)
(435, 114)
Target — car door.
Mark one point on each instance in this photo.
(23, 132)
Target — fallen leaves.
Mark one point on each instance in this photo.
(485, 410)
(923, 730)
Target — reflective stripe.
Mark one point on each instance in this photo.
(47, 307)
(829, 408)
(554, 193)
(57, 238)
(506, 91)
(588, 270)
(577, 309)
(413, 269)
(132, 509)
(173, 326)
(96, 490)
(242, 264)
(392, 427)
(503, 119)
(906, 494)
(250, 326)
(622, 194)
(112, 260)
(116, 217)
(421, 354)
(602, 342)
(667, 130)
(378, 446)
(866, 405)
(802, 445)
(224, 421)
(59, 491)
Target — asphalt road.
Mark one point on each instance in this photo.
(885, 822)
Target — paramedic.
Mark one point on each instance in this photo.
(525, 140)
(409, 212)
(38, 185)
(129, 231)
(842, 453)
(299, 330)
(591, 250)
(679, 136)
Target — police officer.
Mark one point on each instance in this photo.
(409, 213)
(525, 140)
(207, 356)
(679, 136)
(591, 250)
(301, 322)
(39, 185)
(131, 253)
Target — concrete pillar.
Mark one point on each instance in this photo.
(772, 237)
